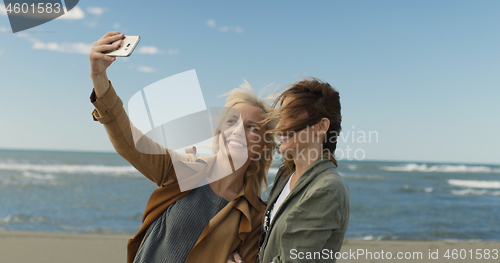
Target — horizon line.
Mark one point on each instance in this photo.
(365, 160)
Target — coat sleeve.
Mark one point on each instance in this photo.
(121, 132)
(309, 226)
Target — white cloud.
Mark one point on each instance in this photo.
(95, 10)
(210, 23)
(91, 23)
(27, 36)
(237, 29)
(74, 14)
(5, 30)
(145, 69)
(151, 50)
(79, 48)
(116, 25)
(3, 11)
(173, 51)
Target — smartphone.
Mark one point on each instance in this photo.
(127, 46)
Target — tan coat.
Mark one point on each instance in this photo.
(236, 227)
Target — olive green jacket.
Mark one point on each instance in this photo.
(311, 223)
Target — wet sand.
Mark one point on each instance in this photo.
(36, 247)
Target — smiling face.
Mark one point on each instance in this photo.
(243, 134)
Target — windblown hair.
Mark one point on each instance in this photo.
(319, 100)
(259, 166)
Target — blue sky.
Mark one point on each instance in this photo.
(421, 75)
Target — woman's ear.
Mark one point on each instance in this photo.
(323, 126)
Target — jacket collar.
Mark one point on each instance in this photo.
(248, 193)
(309, 174)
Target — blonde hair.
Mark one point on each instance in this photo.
(260, 164)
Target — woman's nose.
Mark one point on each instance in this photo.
(238, 128)
(280, 123)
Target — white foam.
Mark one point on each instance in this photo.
(63, 168)
(21, 218)
(469, 192)
(37, 176)
(428, 190)
(361, 176)
(6, 219)
(370, 237)
(413, 167)
(475, 183)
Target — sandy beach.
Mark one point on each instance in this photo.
(35, 247)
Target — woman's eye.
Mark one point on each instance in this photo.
(253, 128)
(231, 121)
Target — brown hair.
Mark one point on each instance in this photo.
(319, 100)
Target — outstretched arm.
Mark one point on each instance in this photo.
(152, 160)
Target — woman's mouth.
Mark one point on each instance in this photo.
(284, 138)
(236, 144)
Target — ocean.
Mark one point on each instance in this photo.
(80, 192)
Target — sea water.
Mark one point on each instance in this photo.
(82, 192)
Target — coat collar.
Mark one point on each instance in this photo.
(309, 174)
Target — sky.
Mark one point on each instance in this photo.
(418, 80)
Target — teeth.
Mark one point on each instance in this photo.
(235, 143)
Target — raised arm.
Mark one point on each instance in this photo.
(110, 112)
(99, 61)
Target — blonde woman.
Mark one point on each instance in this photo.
(209, 222)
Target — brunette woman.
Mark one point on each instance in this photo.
(308, 207)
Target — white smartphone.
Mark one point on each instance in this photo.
(127, 46)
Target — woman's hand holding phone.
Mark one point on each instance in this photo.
(99, 61)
